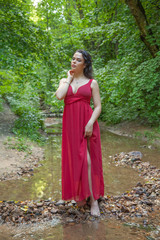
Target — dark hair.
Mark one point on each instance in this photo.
(88, 71)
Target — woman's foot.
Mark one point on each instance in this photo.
(95, 208)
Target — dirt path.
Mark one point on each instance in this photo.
(13, 160)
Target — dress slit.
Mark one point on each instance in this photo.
(90, 187)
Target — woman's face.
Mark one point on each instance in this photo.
(77, 63)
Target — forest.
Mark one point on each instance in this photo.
(38, 39)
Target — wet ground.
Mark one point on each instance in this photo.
(46, 183)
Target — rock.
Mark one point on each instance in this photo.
(153, 195)
(60, 202)
(135, 155)
(149, 203)
(73, 211)
(145, 164)
(69, 220)
(128, 204)
(31, 205)
(45, 213)
(70, 204)
(128, 198)
(139, 184)
(54, 210)
(139, 192)
(124, 209)
(40, 204)
(73, 202)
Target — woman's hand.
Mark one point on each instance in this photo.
(88, 130)
(70, 75)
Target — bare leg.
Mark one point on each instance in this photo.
(94, 203)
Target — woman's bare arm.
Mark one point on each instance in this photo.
(97, 108)
(63, 86)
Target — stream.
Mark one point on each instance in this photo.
(46, 184)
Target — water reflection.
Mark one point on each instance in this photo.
(97, 230)
(100, 230)
(46, 182)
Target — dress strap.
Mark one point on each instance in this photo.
(90, 81)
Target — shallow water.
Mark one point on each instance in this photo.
(97, 230)
(46, 183)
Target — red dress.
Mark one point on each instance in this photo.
(77, 112)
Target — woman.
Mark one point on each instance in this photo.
(82, 175)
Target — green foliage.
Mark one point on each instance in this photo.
(37, 45)
(128, 92)
(152, 135)
(7, 82)
(25, 103)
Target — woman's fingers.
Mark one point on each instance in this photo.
(88, 130)
(70, 73)
(87, 134)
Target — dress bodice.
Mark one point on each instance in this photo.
(84, 93)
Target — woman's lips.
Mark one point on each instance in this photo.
(73, 66)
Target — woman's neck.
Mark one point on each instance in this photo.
(78, 76)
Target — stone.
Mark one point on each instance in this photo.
(40, 204)
(124, 209)
(135, 155)
(69, 220)
(54, 210)
(60, 202)
(70, 204)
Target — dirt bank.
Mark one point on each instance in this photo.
(13, 161)
(136, 129)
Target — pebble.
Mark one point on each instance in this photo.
(60, 202)
(40, 204)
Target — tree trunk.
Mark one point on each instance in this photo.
(138, 12)
(79, 7)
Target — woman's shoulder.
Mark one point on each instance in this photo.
(62, 80)
(94, 83)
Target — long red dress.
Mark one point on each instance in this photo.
(77, 112)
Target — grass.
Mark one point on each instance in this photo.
(20, 144)
(150, 135)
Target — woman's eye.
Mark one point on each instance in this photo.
(79, 60)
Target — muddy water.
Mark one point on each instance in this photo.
(46, 183)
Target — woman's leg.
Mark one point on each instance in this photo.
(94, 203)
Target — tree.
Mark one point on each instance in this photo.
(146, 32)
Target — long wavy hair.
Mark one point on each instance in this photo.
(88, 70)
